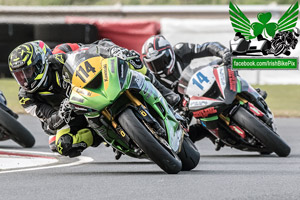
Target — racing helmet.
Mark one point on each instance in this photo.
(29, 65)
(158, 55)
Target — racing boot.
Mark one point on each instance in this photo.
(262, 93)
(171, 97)
(71, 145)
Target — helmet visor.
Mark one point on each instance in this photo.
(27, 76)
(162, 63)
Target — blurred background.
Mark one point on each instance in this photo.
(129, 23)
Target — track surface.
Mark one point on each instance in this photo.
(227, 174)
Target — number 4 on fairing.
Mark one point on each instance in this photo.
(201, 78)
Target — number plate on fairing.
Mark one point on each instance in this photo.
(201, 82)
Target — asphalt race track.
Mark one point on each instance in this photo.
(226, 174)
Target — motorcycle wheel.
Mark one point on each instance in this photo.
(189, 155)
(16, 131)
(262, 132)
(166, 160)
(279, 49)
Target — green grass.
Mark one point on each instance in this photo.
(284, 100)
(10, 89)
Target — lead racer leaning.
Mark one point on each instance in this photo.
(38, 71)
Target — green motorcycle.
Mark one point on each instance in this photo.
(128, 112)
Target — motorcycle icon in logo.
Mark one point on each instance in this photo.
(253, 37)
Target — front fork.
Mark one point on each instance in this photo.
(254, 110)
(143, 114)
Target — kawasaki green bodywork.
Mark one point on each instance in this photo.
(107, 82)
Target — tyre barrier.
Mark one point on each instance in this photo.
(12, 35)
(60, 33)
(17, 33)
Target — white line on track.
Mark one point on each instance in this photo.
(79, 160)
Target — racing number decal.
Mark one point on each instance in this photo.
(86, 71)
(201, 78)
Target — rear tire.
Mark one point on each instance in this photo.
(17, 132)
(189, 155)
(262, 132)
(167, 161)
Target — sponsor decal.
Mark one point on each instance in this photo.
(198, 103)
(255, 110)
(112, 66)
(238, 130)
(74, 98)
(105, 76)
(205, 112)
(232, 80)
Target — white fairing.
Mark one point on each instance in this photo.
(201, 82)
(195, 90)
(201, 104)
(222, 79)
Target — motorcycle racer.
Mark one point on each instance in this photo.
(43, 93)
(167, 64)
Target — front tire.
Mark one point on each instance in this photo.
(16, 131)
(262, 132)
(167, 161)
(189, 155)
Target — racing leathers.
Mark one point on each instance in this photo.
(184, 54)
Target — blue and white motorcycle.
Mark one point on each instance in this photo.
(233, 112)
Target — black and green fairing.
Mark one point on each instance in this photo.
(99, 84)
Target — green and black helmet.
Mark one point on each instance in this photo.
(28, 64)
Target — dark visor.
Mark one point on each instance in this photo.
(161, 63)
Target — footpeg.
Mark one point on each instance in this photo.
(218, 144)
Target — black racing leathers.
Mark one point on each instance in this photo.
(186, 52)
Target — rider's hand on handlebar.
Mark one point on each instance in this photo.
(131, 56)
(119, 52)
(227, 58)
(65, 110)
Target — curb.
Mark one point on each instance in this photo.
(18, 161)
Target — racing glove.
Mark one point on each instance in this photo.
(226, 58)
(61, 117)
(65, 110)
(131, 56)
